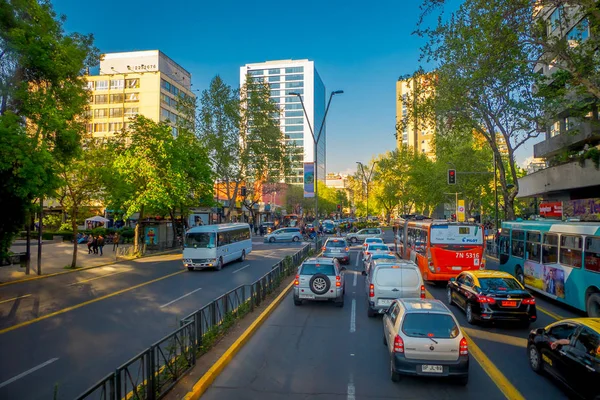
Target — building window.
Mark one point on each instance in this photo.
(256, 72)
(132, 112)
(297, 77)
(90, 85)
(175, 90)
(275, 85)
(116, 112)
(294, 121)
(293, 99)
(132, 97)
(294, 70)
(298, 135)
(295, 142)
(579, 33)
(165, 85)
(100, 127)
(115, 126)
(132, 83)
(275, 92)
(116, 83)
(101, 85)
(274, 78)
(291, 85)
(101, 99)
(274, 71)
(100, 113)
(276, 100)
(117, 98)
(555, 19)
(293, 106)
(89, 128)
(555, 129)
(295, 128)
(294, 114)
(289, 92)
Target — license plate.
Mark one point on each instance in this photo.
(509, 303)
(307, 296)
(335, 250)
(384, 302)
(432, 369)
(456, 268)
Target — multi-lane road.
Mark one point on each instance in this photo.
(319, 351)
(71, 330)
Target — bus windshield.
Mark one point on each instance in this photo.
(456, 234)
(200, 240)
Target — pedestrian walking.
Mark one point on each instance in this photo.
(116, 239)
(90, 243)
(95, 245)
(101, 244)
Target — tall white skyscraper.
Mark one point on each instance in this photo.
(296, 76)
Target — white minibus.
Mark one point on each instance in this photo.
(212, 246)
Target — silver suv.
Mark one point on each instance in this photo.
(337, 248)
(320, 279)
(361, 235)
(423, 338)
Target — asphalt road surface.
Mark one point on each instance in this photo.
(73, 329)
(318, 351)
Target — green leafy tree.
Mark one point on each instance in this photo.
(41, 94)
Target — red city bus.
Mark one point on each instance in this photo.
(442, 249)
(290, 220)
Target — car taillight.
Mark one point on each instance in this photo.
(367, 253)
(529, 301)
(371, 290)
(431, 267)
(485, 299)
(296, 281)
(422, 291)
(323, 248)
(347, 249)
(338, 281)
(399, 344)
(464, 347)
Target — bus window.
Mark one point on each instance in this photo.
(533, 246)
(570, 250)
(504, 243)
(201, 240)
(550, 249)
(422, 241)
(518, 244)
(592, 254)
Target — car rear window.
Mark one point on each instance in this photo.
(399, 277)
(499, 284)
(336, 243)
(429, 325)
(313, 269)
(377, 256)
(376, 247)
(373, 240)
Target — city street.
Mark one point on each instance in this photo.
(322, 352)
(71, 330)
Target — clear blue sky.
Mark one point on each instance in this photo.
(359, 47)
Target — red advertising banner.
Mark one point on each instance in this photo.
(551, 209)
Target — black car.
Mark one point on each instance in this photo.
(569, 350)
(492, 296)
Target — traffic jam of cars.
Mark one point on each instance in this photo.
(422, 335)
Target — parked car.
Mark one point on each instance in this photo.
(361, 235)
(569, 351)
(367, 264)
(423, 338)
(284, 235)
(320, 278)
(491, 296)
(389, 280)
(338, 249)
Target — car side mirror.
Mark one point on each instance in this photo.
(452, 279)
(364, 273)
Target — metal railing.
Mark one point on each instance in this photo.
(152, 373)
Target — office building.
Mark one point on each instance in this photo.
(299, 76)
(140, 82)
(413, 130)
(565, 172)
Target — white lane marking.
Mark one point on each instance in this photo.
(351, 391)
(238, 270)
(14, 298)
(179, 298)
(355, 277)
(42, 365)
(358, 258)
(353, 317)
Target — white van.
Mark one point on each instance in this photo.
(389, 280)
(212, 246)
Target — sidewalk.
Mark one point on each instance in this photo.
(55, 256)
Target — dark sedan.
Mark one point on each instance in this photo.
(492, 296)
(569, 351)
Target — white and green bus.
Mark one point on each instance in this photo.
(213, 246)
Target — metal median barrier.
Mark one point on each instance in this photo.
(152, 373)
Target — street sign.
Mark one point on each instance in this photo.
(461, 211)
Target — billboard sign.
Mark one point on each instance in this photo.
(309, 180)
(584, 209)
(551, 209)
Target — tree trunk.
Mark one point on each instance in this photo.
(172, 214)
(136, 232)
(41, 222)
(75, 244)
(29, 222)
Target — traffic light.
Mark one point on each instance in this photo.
(339, 207)
(243, 191)
(451, 177)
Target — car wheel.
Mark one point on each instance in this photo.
(535, 359)
(519, 275)
(354, 240)
(370, 312)
(243, 257)
(220, 264)
(463, 380)
(271, 240)
(469, 312)
(295, 239)
(319, 284)
(393, 374)
(449, 294)
(593, 305)
(297, 302)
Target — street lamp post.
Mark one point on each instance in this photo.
(367, 181)
(315, 142)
